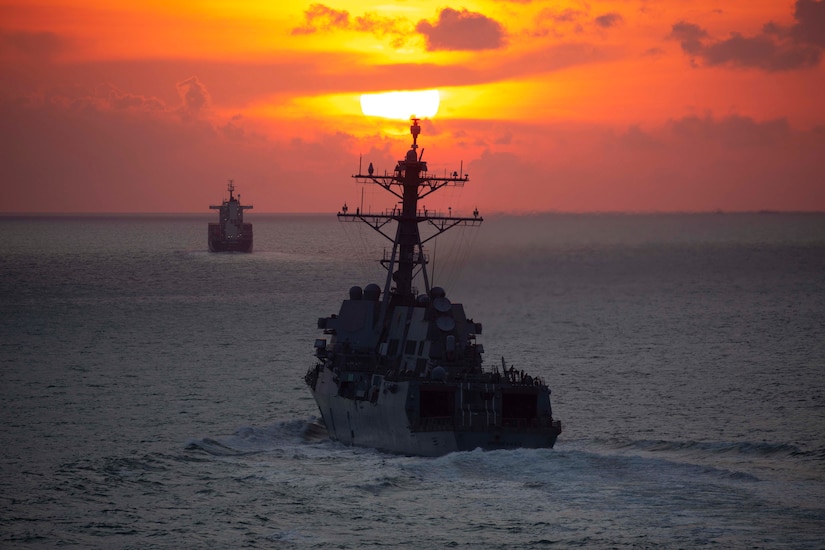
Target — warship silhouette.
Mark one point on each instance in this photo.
(401, 371)
(230, 233)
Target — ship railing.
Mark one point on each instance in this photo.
(311, 377)
(476, 424)
(422, 214)
(522, 378)
(477, 376)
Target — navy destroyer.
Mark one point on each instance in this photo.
(230, 233)
(401, 370)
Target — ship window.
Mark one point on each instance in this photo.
(476, 398)
(410, 348)
(436, 403)
(421, 348)
(393, 348)
(519, 405)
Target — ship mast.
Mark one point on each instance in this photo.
(410, 182)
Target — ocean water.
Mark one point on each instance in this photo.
(152, 395)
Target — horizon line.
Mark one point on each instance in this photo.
(9, 214)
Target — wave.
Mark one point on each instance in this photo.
(741, 460)
(714, 447)
(297, 440)
(253, 440)
(216, 448)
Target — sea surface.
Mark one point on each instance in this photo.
(152, 393)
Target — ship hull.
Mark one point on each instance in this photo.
(384, 423)
(219, 243)
(239, 245)
(403, 372)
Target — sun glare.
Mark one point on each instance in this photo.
(401, 105)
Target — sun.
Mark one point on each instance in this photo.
(401, 105)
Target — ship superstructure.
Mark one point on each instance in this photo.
(230, 233)
(399, 368)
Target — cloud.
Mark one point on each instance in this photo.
(321, 18)
(776, 48)
(638, 139)
(121, 158)
(566, 16)
(195, 100)
(106, 151)
(119, 100)
(104, 98)
(70, 150)
(461, 30)
(690, 36)
(32, 45)
(810, 25)
(760, 52)
(569, 19)
(735, 132)
(691, 163)
(608, 20)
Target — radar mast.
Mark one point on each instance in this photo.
(410, 181)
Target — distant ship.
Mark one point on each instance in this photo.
(401, 371)
(230, 233)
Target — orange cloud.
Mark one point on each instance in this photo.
(195, 99)
(582, 106)
(323, 18)
(320, 18)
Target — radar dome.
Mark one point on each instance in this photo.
(355, 293)
(372, 291)
(437, 292)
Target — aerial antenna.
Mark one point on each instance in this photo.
(415, 129)
(432, 263)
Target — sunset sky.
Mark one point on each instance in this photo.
(620, 106)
